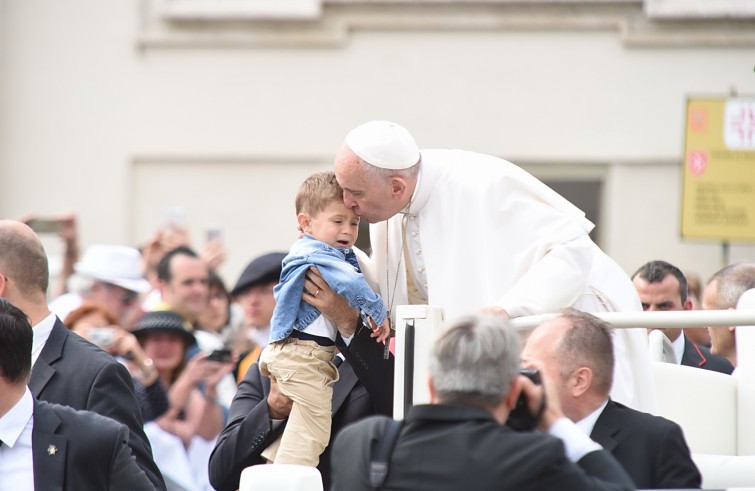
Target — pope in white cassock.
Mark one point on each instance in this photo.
(467, 231)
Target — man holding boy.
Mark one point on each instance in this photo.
(302, 340)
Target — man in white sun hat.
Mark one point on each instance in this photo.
(467, 231)
(108, 274)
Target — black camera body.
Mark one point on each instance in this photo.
(520, 418)
(221, 355)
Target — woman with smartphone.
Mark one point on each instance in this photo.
(97, 324)
(183, 438)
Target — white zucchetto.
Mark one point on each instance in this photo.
(383, 144)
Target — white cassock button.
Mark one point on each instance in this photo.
(419, 252)
(414, 234)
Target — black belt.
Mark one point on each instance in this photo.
(321, 340)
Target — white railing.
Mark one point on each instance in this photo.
(683, 318)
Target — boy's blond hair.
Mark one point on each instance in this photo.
(317, 192)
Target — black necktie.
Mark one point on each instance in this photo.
(337, 361)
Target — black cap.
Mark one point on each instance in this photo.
(263, 269)
(163, 321)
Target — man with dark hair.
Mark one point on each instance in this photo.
(663, 287)
(722, 293)
(576, 351)
(183, 280)
(459, 441)
(259, 412)
(67, 369)
(47, 446)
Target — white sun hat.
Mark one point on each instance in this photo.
(114, 264)
(383, 144)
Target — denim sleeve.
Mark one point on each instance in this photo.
(350, 284)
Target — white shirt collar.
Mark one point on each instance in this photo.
(41, 334)
(587, 423)
(419, 197)
(14, 422)
(678, 345)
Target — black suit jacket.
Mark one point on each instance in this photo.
(699, 356)
(651, 449)
(453, 448)
(248, 430)
(82, 451)
(71, 371)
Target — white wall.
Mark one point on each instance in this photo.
(94, 123)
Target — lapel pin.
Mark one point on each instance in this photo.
(52, 450)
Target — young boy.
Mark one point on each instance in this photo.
(302, 340)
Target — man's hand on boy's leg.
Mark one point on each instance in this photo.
(278, 404)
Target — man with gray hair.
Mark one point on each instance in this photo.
(576, 354)
(722, 293)
(460, 441)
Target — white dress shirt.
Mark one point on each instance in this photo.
(678, 345)
(587, 423)
(41, 334)
(576, 443)
(16, 458)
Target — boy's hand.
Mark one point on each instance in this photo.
(381, 332)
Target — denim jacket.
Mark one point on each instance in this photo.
(338, 267)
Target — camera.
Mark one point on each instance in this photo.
(102, 336)
(46, 225)
(520, 418)
(220, 355)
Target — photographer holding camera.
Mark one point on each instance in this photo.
(460, 441)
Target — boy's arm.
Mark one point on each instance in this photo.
(334, 307)
(350, 284)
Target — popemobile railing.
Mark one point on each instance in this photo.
(417, 326)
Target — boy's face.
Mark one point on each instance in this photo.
(336, 225)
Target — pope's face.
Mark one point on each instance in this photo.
(370, 196)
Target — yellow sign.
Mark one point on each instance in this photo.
(718, 190)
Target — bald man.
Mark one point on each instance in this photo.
(722, 293)
(66, 369)
(575, 351)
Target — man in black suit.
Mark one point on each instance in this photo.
(663, 287)
(259, 411)
(576, 351)
(47, 446)
(460, 441)
(66, 369)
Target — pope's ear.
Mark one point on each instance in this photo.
(398, 186)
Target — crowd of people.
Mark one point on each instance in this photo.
(181, 381)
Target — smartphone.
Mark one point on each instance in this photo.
(214, 233)
(221, 355)
(175, 217)
(45, 225)
(520, 418)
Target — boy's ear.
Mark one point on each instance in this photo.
(303, 219)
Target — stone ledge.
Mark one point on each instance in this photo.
(181, 27)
